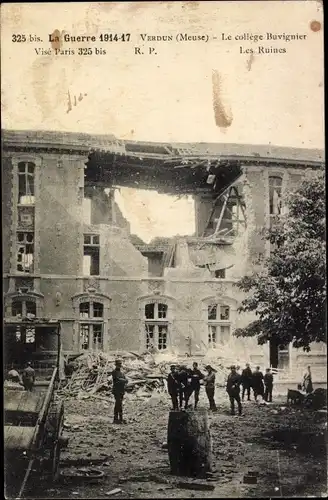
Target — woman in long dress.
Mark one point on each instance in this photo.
(307, 381)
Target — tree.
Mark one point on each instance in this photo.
(288, 295)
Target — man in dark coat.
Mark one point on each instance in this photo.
(196, 377)
(257, 383)
(246, 380)
(173, 387)
(182, 377)
(28, 377)
(209, 382)
(119, 384)
(268, 383)
(233, 389)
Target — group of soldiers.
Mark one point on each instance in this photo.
(183, 382)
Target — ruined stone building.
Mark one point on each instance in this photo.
(109, 289)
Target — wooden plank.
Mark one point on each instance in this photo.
(26, 477)
(23, 401)
(31, 402)
(12, 399)
(17, 438)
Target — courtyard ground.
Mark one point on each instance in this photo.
(285, 446)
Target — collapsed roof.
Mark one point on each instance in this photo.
(173, 168)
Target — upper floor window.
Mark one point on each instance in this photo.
(23, 308)
(156, 326)
(25, 252)
(91, 255)
(275, 190)
(219, 327)
(91, 325)
(26, 173)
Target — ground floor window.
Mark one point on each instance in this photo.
(25, 335)
(91, 336)
(156, 336)
(219, 327)
(218, 334)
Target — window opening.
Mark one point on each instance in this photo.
(25, 252)
(275, 190)
(220, 273)
(91, 255)
(218, 326)
(91, 325)
(26, 171)
(156, 326)
(17, 308)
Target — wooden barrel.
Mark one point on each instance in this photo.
(189, 443)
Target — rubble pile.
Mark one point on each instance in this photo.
(90, 374)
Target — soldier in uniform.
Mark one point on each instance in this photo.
(173, 387)
(196, 377)
(233, 390)
(268, 384)
(246, 380)
(209, 381)
(119, 384)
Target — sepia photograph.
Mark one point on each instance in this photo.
(164, 249)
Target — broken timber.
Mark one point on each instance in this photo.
(189, 443)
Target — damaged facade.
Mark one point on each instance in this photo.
(69, 254)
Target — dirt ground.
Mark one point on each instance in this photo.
(285, 446)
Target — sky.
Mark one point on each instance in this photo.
(270, 98)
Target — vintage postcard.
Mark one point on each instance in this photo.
(164, 248)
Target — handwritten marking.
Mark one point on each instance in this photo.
(75, 100)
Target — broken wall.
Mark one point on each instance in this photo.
(58, 217)
(118, 256)
(104, 209)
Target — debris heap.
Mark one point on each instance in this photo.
(89, 375)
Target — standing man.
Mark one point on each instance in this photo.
(257, 383)
(196, 377)
(233, 389)
(119, 384)
(246, 380)
(209, 381)
(173, 387)
(182, 377)
(28, 377)
(307, 381)
(268, 383)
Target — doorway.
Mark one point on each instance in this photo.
(279, 355)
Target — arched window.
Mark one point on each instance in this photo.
(91, 325)
(156, 325)
(26, 172)
(219, 324)
(275, 190)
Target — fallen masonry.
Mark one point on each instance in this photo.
(90, 373)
